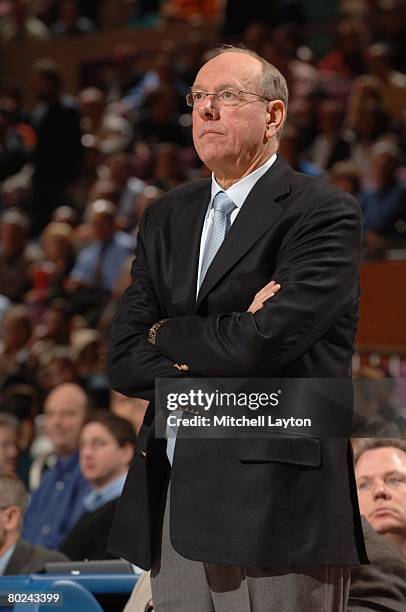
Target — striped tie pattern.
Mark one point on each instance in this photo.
(223, 207)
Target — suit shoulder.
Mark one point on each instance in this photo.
(31, 558)
(319, 190)
(178, 195)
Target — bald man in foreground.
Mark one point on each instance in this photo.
(241, 525)
(57, 504)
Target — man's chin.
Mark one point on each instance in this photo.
(384, 524)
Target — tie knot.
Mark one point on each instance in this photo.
(222, 203)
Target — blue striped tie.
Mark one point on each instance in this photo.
(223, 207)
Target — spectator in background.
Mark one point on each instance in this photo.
(365, 89)
(106, 450)
(102, 127)
(20, 25)
(161, 77)
(16, 555)
(392, 30)
(57, 157)
(159, 122)
(393, 83)
(121, 173)
(123, 281)
(380, 585)
(14, 346)
(168, 170)
(101, 189)
(22, 402)
(65, 214)
(48, 274)
(14, 258)
(329, 146)
(8, 444)
(384, 205)
(70, 22)
(52, 332)
(123, 75)
(291, 148)
(344, 174)
(17, 138)
(57, 504)
(347, 58)
(87, 350)
(93, 276)
(371, 123)
(55, 368)
(380, 471)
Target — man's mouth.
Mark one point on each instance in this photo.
(211, 132)
(384, 510)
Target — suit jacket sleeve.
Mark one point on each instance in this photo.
(133, 364)
(317, 268)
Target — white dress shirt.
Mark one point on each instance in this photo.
(238, 193)
(5, 558)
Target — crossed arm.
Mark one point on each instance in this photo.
(317, 268)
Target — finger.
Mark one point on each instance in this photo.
(266, 295)
(255, 307)
(258, 303)
(266, 289)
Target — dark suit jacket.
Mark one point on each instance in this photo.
(382, 584)
(88, 538)
(29, 559)
(286, 501)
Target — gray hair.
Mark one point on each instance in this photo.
(272, 83)
(366, 444)
(12, 492)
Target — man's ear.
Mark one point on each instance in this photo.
(275, 116)
(127, 451)
(13, 518)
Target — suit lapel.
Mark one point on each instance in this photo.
(186, 246)
(258, 214)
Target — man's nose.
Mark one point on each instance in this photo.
(380, 490)
(85, 450)
(208, 109)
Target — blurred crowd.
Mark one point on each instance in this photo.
(78, 169)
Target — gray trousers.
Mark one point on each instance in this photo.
(181, 585)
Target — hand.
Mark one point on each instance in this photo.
(264, 294)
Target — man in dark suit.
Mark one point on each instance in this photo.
(380, 585)
(106, 449)
(58, 152)
(17, 556)
(265, 524)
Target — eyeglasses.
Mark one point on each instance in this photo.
(226, 97)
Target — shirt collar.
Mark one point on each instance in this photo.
(5, 558)
(240, 190)
(98, 497)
